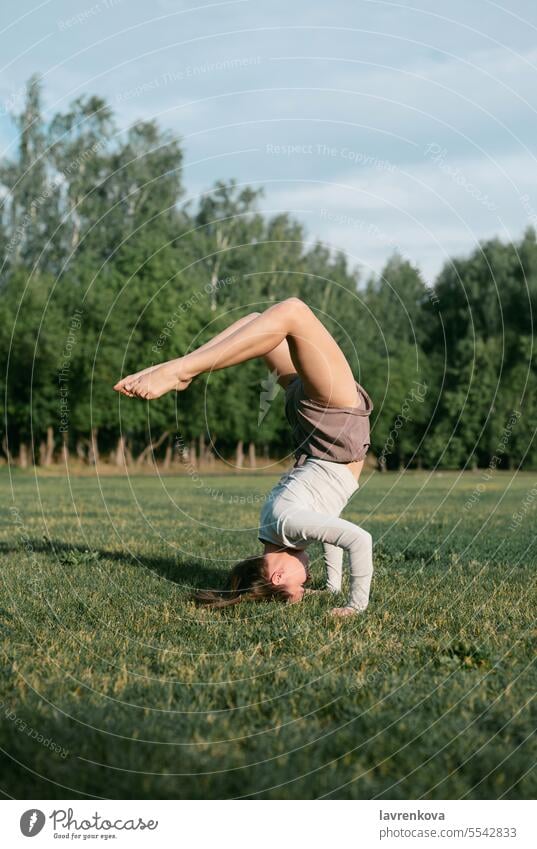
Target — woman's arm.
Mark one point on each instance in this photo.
(333, 560)
(306, 526)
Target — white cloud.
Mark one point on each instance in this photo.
(466, 85)
(423, 211)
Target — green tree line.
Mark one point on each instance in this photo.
(106, 268)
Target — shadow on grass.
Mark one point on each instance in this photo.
(179, 570)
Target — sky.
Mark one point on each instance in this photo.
(381, 126)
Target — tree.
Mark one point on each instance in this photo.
(226, 220)
(30, 195)
(31, 331)
(105, 271)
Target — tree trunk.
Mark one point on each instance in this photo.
(120, 456)
(151, 448)
(214, 284)
(192, 456)
(222, 243)
(210, 452)
(93, 452)
(65, 449)
(49, 455)
(382, 464)
(23, 455)
(80, 450)
(252, 456)
(239, 454)
(42, 452)
(202, 448)
(168, 455)
(5, 449)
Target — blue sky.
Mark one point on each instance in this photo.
(380, 125)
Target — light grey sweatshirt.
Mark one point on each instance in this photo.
(304, 507)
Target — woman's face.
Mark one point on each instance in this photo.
(289, 569)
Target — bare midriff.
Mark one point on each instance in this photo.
(356, 467)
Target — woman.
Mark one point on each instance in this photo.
(329, 416)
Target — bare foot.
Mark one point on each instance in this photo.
(343, 611)
(154, 381)
(132, 378)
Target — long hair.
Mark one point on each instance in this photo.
(247, 581)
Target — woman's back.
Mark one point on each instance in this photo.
(319, 486)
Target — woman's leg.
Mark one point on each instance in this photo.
(218, 338)
(278, 360)
(315, 356)
(228, 331)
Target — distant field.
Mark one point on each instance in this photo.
(114, 685)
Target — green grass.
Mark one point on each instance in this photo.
(426, 695)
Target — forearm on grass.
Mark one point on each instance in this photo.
(306, 525)
(333, 561)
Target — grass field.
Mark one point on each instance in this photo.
(114, 685)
